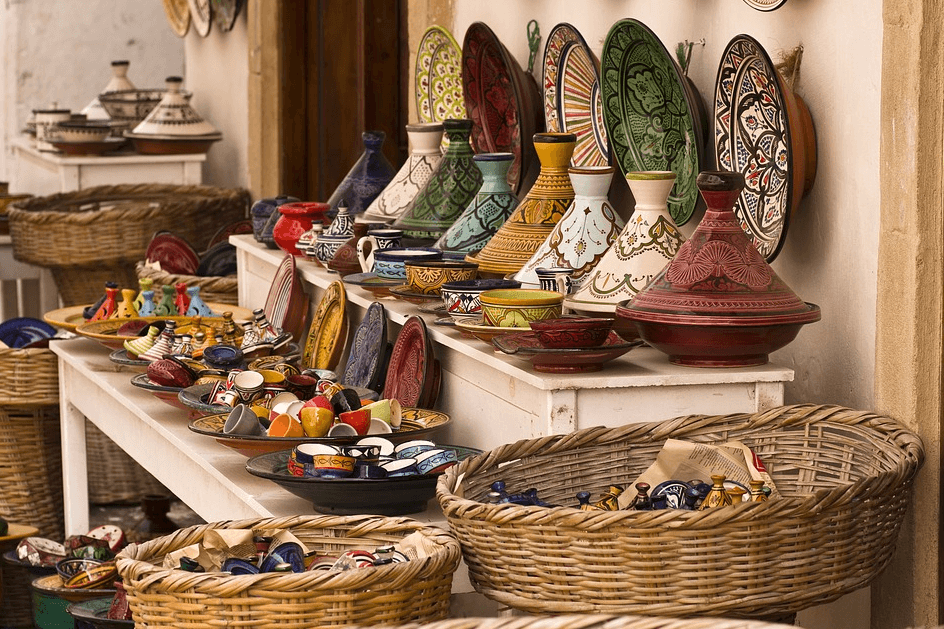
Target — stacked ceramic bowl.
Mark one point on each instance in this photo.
(506, 310)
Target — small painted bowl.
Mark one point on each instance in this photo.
(571, 332)
(518, 307)
(222, 356)
(435, 461)
(462, 298)
(400, 467)
(410, 449)
(83, 130)
(333, 465)
(390, 264)
(427, 277)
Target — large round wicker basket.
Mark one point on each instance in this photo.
(417, 590)
(95, 235)
(845, 477)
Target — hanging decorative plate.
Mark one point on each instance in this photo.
(225, 13)
(286, 304)
(178, 15)
(438, 84)
(502, 100)
(370, 351)
(409, 363)
(328, 331)
(650, 112)
(572, 100)
(765, 5)
(22, 331)
(571, 360)
(763, 131)
(174, 254)
(202, 16)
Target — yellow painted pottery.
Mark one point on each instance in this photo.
(535, 217)
(428, 277)
(328, 331)
(517, 307)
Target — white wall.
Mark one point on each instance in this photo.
(61, 51)
(830, 256)
(218, 75)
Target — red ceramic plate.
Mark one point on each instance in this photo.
(287, 304)
(407, 374)
(525, 345)
(174, 254)
(502, 100)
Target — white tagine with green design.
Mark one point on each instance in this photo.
(647, 243)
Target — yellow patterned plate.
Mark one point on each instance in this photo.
(178, 15)
(328, 332)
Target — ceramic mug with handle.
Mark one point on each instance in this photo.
(374, 240)
(558, 279)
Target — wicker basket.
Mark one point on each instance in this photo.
(845, 475)
(219, 289)
(91, 236)
(594, 621)
(412, 591)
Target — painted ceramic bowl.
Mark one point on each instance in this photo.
(84, 130)
(518, 307)
(333, 465)
(568, 332)
(427, 277)
(131, 105)
(462, 298)
(390, 264)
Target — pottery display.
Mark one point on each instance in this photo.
(572, 100)
(647, 243)
(173, 126)
(264, 217)
(294, 220)
(503, 101)
(462, 299)
(376, 240)
(517, 307)
(437, 79)
(368, 177)
(490, 208)
(584, 234)
(427, 277)
(533, 220)
(526, 346)
(450, 188)
(651, 111)
(178, 16)
(718, 303)
(370, 351)
(118, 81)
(345, 260)
(763, 131)
(425, 153)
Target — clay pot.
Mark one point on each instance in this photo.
(295, 220)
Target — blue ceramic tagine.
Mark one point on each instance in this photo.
(366, 179)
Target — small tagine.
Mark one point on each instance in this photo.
(718, 303)
(174, 127)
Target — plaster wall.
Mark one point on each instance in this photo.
(830, 256)
(61, 50)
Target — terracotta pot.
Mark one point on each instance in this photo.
(295, 220)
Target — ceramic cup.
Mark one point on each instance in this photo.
(375, 240)
(400, 467)
(388, 411)
(435, 460)
(333, 465)
(557, 278)
(385, 445)
(248, 384)
(358, 419)
(242, 421)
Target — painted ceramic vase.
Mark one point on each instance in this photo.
(584, 233)
(118, 81)
(126, 309)
(182, 300)
(264, 218)
(345, 262)
(450, 189)
(647, 243)
(367, 178)
(197, 307)
(294, 220)
(425, 155)
(718, 303)
(717, 496)
(109, 306)
(343, 223)
(146, 309)
(144, 284)
(535, 217)
(166, 306)
(491, 207)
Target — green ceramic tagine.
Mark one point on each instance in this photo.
(448, 192)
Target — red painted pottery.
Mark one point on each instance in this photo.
(411, 372)
(526, 346)
(345, 260)
(295, 220)
(569, 332)
(718, 303)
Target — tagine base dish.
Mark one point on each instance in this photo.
(379, 286)
(415, 424)
(476, 327)
(400, 495)
(172, 146)
(562, 360)
(89, 148)
(403, 292)
(105, 332)
(169, 395)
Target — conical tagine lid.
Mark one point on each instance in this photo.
(119, 81)
(174, 117)
(718, 273)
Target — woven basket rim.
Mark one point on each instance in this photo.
(65, 202)
(389, 576)
(756, 512)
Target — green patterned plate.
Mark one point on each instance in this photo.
(438, 80)
(650, 112)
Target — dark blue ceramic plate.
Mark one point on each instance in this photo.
(22, 331)
(370, 351)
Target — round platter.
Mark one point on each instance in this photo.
(286, 304)
(178, 16)
(22, 331)
(765, 5)
(572, 101)
(328, 331)
(350, 496)
(410, 372)
(105, 332)
(650, 112)
(225, 13)
(416, 423)
(173, 253)
(94, 613)
(576, 360)
(370, 351)
(170, 395)
(438, 82)
(764, 132)
(379, 286)
(120, 357)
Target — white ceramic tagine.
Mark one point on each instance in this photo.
(174, 117)
(119, 81)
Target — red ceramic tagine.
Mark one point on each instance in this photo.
(718, 303)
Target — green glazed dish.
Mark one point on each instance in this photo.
(651, 112)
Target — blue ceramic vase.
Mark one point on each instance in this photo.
(367, 178)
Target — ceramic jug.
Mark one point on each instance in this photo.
(375, 240)
(367, 178)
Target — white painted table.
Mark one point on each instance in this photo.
(495, 399)
(42, 173)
